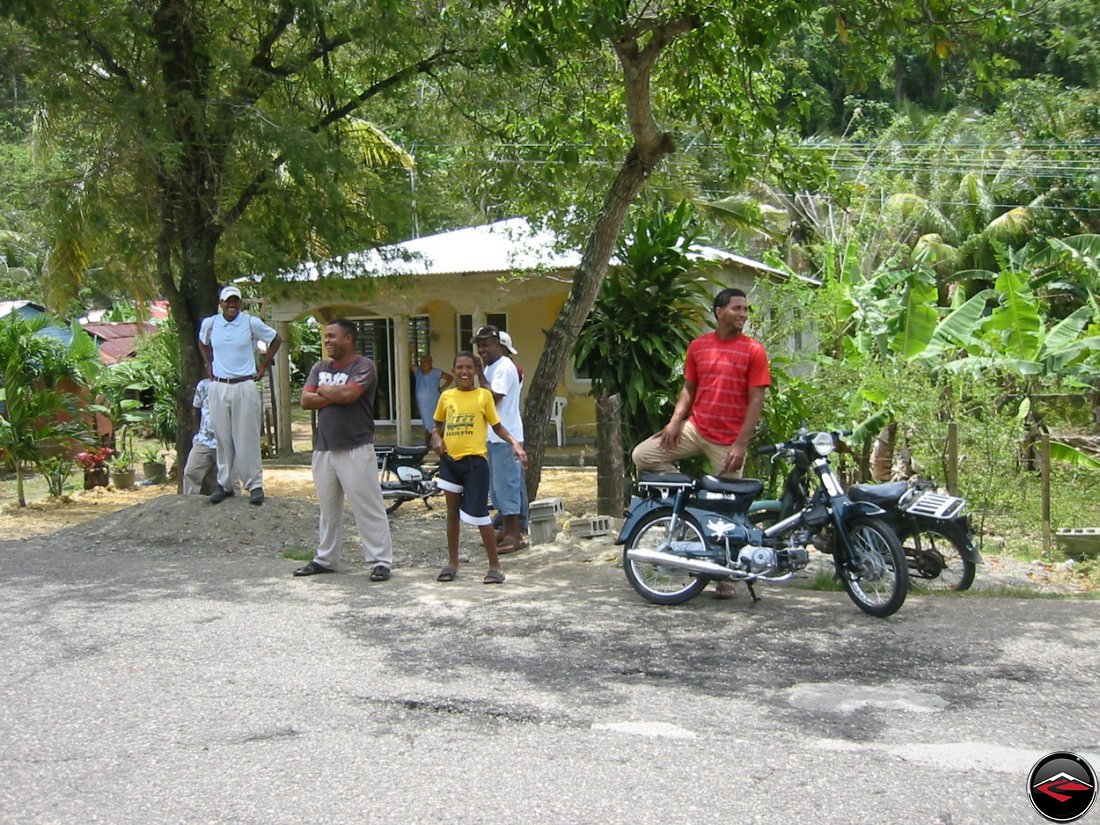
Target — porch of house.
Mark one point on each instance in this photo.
(575, 452)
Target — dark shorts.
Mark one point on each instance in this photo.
(469, 477)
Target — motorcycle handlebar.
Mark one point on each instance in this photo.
(771, 449)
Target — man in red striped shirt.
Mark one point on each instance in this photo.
(725, 376)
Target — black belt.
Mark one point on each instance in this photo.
(234, 380)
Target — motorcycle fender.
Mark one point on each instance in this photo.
(862, 508)
(958, 530)
(639, 509)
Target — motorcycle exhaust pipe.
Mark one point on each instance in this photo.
(701, 566)
(404, 495)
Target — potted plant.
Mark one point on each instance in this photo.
(122, 465)
(94, 463)
(153, 467)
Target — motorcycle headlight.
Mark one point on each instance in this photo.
(823, 443)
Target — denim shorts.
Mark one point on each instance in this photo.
(506, 479)
(469, 477)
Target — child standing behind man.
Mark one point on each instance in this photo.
(462, 418)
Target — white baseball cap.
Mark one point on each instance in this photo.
(229, 292)
(506, 341)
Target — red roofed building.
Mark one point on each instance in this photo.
(117, 342)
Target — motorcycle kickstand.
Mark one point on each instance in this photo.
(752, 592)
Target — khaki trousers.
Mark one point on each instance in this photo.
(352, 473)
(235, 412)
(650, 455)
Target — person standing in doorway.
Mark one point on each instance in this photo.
(342, 388)
(429, 381)
(725, 377)
(227, 341)
(500, 376)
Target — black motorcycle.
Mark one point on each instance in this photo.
(681, 532)
(403, 476)
(936, 536)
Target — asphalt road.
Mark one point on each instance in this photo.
(149, 690)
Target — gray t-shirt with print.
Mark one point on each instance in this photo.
(344, 426)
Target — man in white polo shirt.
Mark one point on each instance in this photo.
(228, 345)
(500, 376)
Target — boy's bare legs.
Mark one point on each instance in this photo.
(453, 526)
(489, 539)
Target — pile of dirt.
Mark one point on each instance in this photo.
(154, 522)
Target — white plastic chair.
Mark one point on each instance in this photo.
(556, 418)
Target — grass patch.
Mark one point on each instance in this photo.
(298, 555)
(826, 580)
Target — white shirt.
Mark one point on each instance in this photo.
(504, 381)
(205, 435)
(234, 343)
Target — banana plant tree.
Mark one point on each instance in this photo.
(40, 419)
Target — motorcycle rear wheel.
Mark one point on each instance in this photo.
(936, 561)
(877, 577)
(659, 583)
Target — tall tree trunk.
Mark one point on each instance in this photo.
(651, 146)
(587, 281)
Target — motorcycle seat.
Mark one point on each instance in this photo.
(884, 495)
(751, 487)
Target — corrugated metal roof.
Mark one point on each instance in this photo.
(505, 246)
(117, 342)
(510, 245)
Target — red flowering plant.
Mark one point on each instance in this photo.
(94, 458)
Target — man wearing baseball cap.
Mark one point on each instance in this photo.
(500, 376)
(228, 342)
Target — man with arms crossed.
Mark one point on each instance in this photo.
(725, 376)
(341, 389)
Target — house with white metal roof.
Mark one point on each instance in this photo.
(428, 295)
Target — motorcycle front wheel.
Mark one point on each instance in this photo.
(876, 577)
(660, 583)
(936, 560)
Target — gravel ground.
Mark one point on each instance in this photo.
(153, 523)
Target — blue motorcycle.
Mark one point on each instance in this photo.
(682, 532)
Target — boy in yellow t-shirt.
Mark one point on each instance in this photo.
(461, 419)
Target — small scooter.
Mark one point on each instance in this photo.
(936, 534)
(403, 476)
(681, 532)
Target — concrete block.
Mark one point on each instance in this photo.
(541, 505)
(542, 531)
(587, 528)
(1078, 542)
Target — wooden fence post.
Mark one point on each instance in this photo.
(953, 458)
(610, 470)
(1044, 459)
